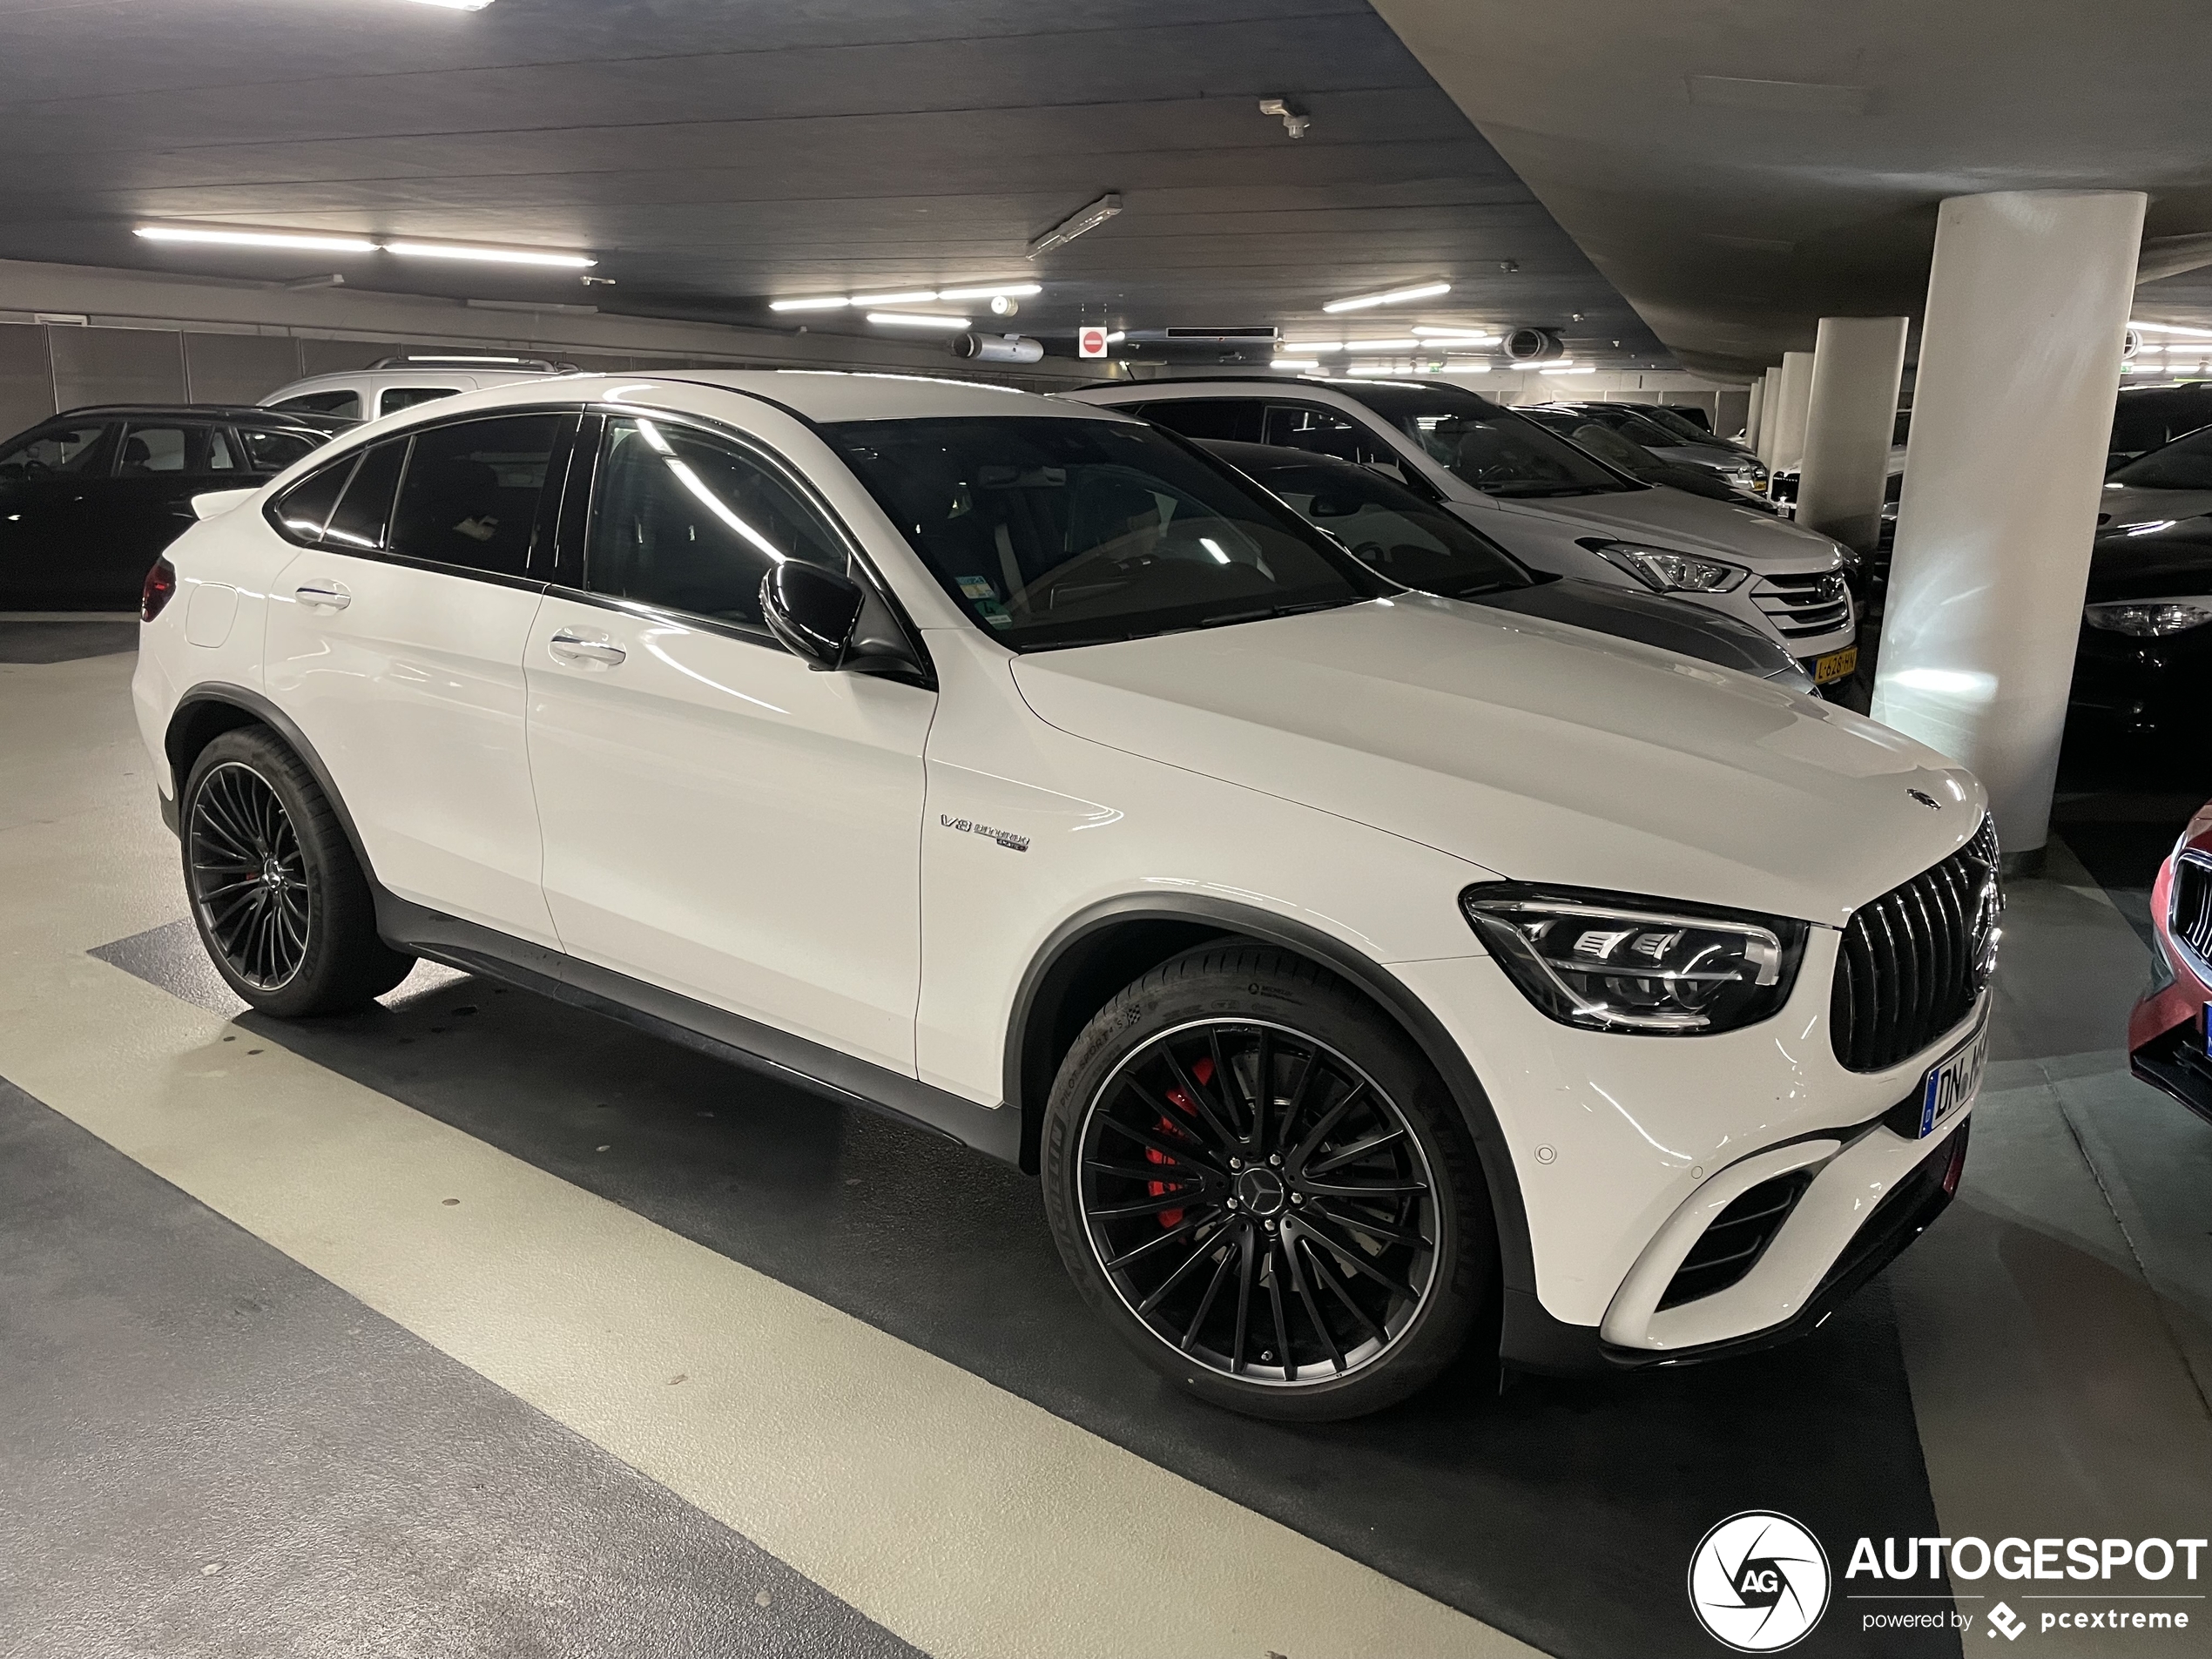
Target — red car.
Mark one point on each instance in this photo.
(2167, 1031)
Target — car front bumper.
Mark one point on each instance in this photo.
(1626, 1149)
(2166, 1029)
(2125, 686)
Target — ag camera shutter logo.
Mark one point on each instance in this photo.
(1758, 1582)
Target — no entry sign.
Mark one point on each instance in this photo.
(1091, 342)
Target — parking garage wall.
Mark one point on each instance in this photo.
(76, 335)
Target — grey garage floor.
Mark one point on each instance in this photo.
(372, 1317)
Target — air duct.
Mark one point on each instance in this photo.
(1533, 346)
(999, 349)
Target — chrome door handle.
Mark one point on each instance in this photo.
(329, 595)
(583, 647)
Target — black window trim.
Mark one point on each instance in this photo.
(543, 532)
(576, 526)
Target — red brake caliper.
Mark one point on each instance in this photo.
(1202, 1074)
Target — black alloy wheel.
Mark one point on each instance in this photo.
(1259, 1202)
(1260, 1181)
(286, 913)
(249, 877)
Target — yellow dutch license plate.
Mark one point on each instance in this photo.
(1835, 665)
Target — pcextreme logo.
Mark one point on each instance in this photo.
(1758, 1582)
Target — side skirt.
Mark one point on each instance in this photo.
(675, 1018)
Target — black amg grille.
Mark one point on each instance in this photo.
(1915, 959)
(1732, 1246)
(2192, 906)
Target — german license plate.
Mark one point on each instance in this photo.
(1835, 665)
(1953, 1082)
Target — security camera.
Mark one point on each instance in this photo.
(1295, 120)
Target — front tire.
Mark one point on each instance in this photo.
(1258, 1180)
(281, 902)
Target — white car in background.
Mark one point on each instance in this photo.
(1352, 964)
(391, 384)
(1549, 503)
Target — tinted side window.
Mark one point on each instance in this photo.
(691, 521)
(395, 398)
(149, 450)
(346, 403)
(364, 510)
(470, 495)
(58, 448)
(301, 511)
(1234, 420)
(273, 451)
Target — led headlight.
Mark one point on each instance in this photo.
(1664, 572)
(2150, 618)
(1610, 961)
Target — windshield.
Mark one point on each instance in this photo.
(1050, 531)
(1391, 530)
(1685, 430)
(2186, 463)
(1480, 444)
(1634, 427)
(55, 449)
(1606, 444)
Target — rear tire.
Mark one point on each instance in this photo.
(281, 902)
(1316, 1249)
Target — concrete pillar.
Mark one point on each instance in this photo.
(2020, 364)
(1769, 383)
(1849, 418)
(1752, 419)
(1787, 400)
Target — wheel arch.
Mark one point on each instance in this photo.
(203, 713)
(1118, 939)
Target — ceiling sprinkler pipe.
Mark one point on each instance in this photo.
(1533, 346)
(998, 349)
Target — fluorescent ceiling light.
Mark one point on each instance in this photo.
(1010, 290)
(1381, 345)
(1117, 336)
(490, 255)
(1088, 219)
(458, 5)
(911, 297)
(1465, 368)
(1364, 301)
(304, 240)
(2163, 329)
(1311, 345)
(825, 303)
(915, 319)
(1294, 362)
(1472, 336)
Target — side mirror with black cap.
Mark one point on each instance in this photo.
(812, 612)
(829, 621)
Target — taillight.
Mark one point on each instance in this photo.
(160, 588)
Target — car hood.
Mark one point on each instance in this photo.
(1534, 750)
(2161, 558)
(1688, 525)
(1653, 619)
(2118, 508)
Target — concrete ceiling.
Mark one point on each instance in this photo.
(713, 155)
(1740, 168)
